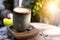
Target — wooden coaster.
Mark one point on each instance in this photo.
(23, 35)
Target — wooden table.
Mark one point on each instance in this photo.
(41, 36)
(42, 27)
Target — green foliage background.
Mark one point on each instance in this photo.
(36, 7)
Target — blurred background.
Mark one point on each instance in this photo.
(42, 11)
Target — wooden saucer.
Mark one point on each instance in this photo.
(23, 35)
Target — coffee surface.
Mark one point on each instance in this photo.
(22, 10)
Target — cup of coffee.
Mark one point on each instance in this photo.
(21, 18)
